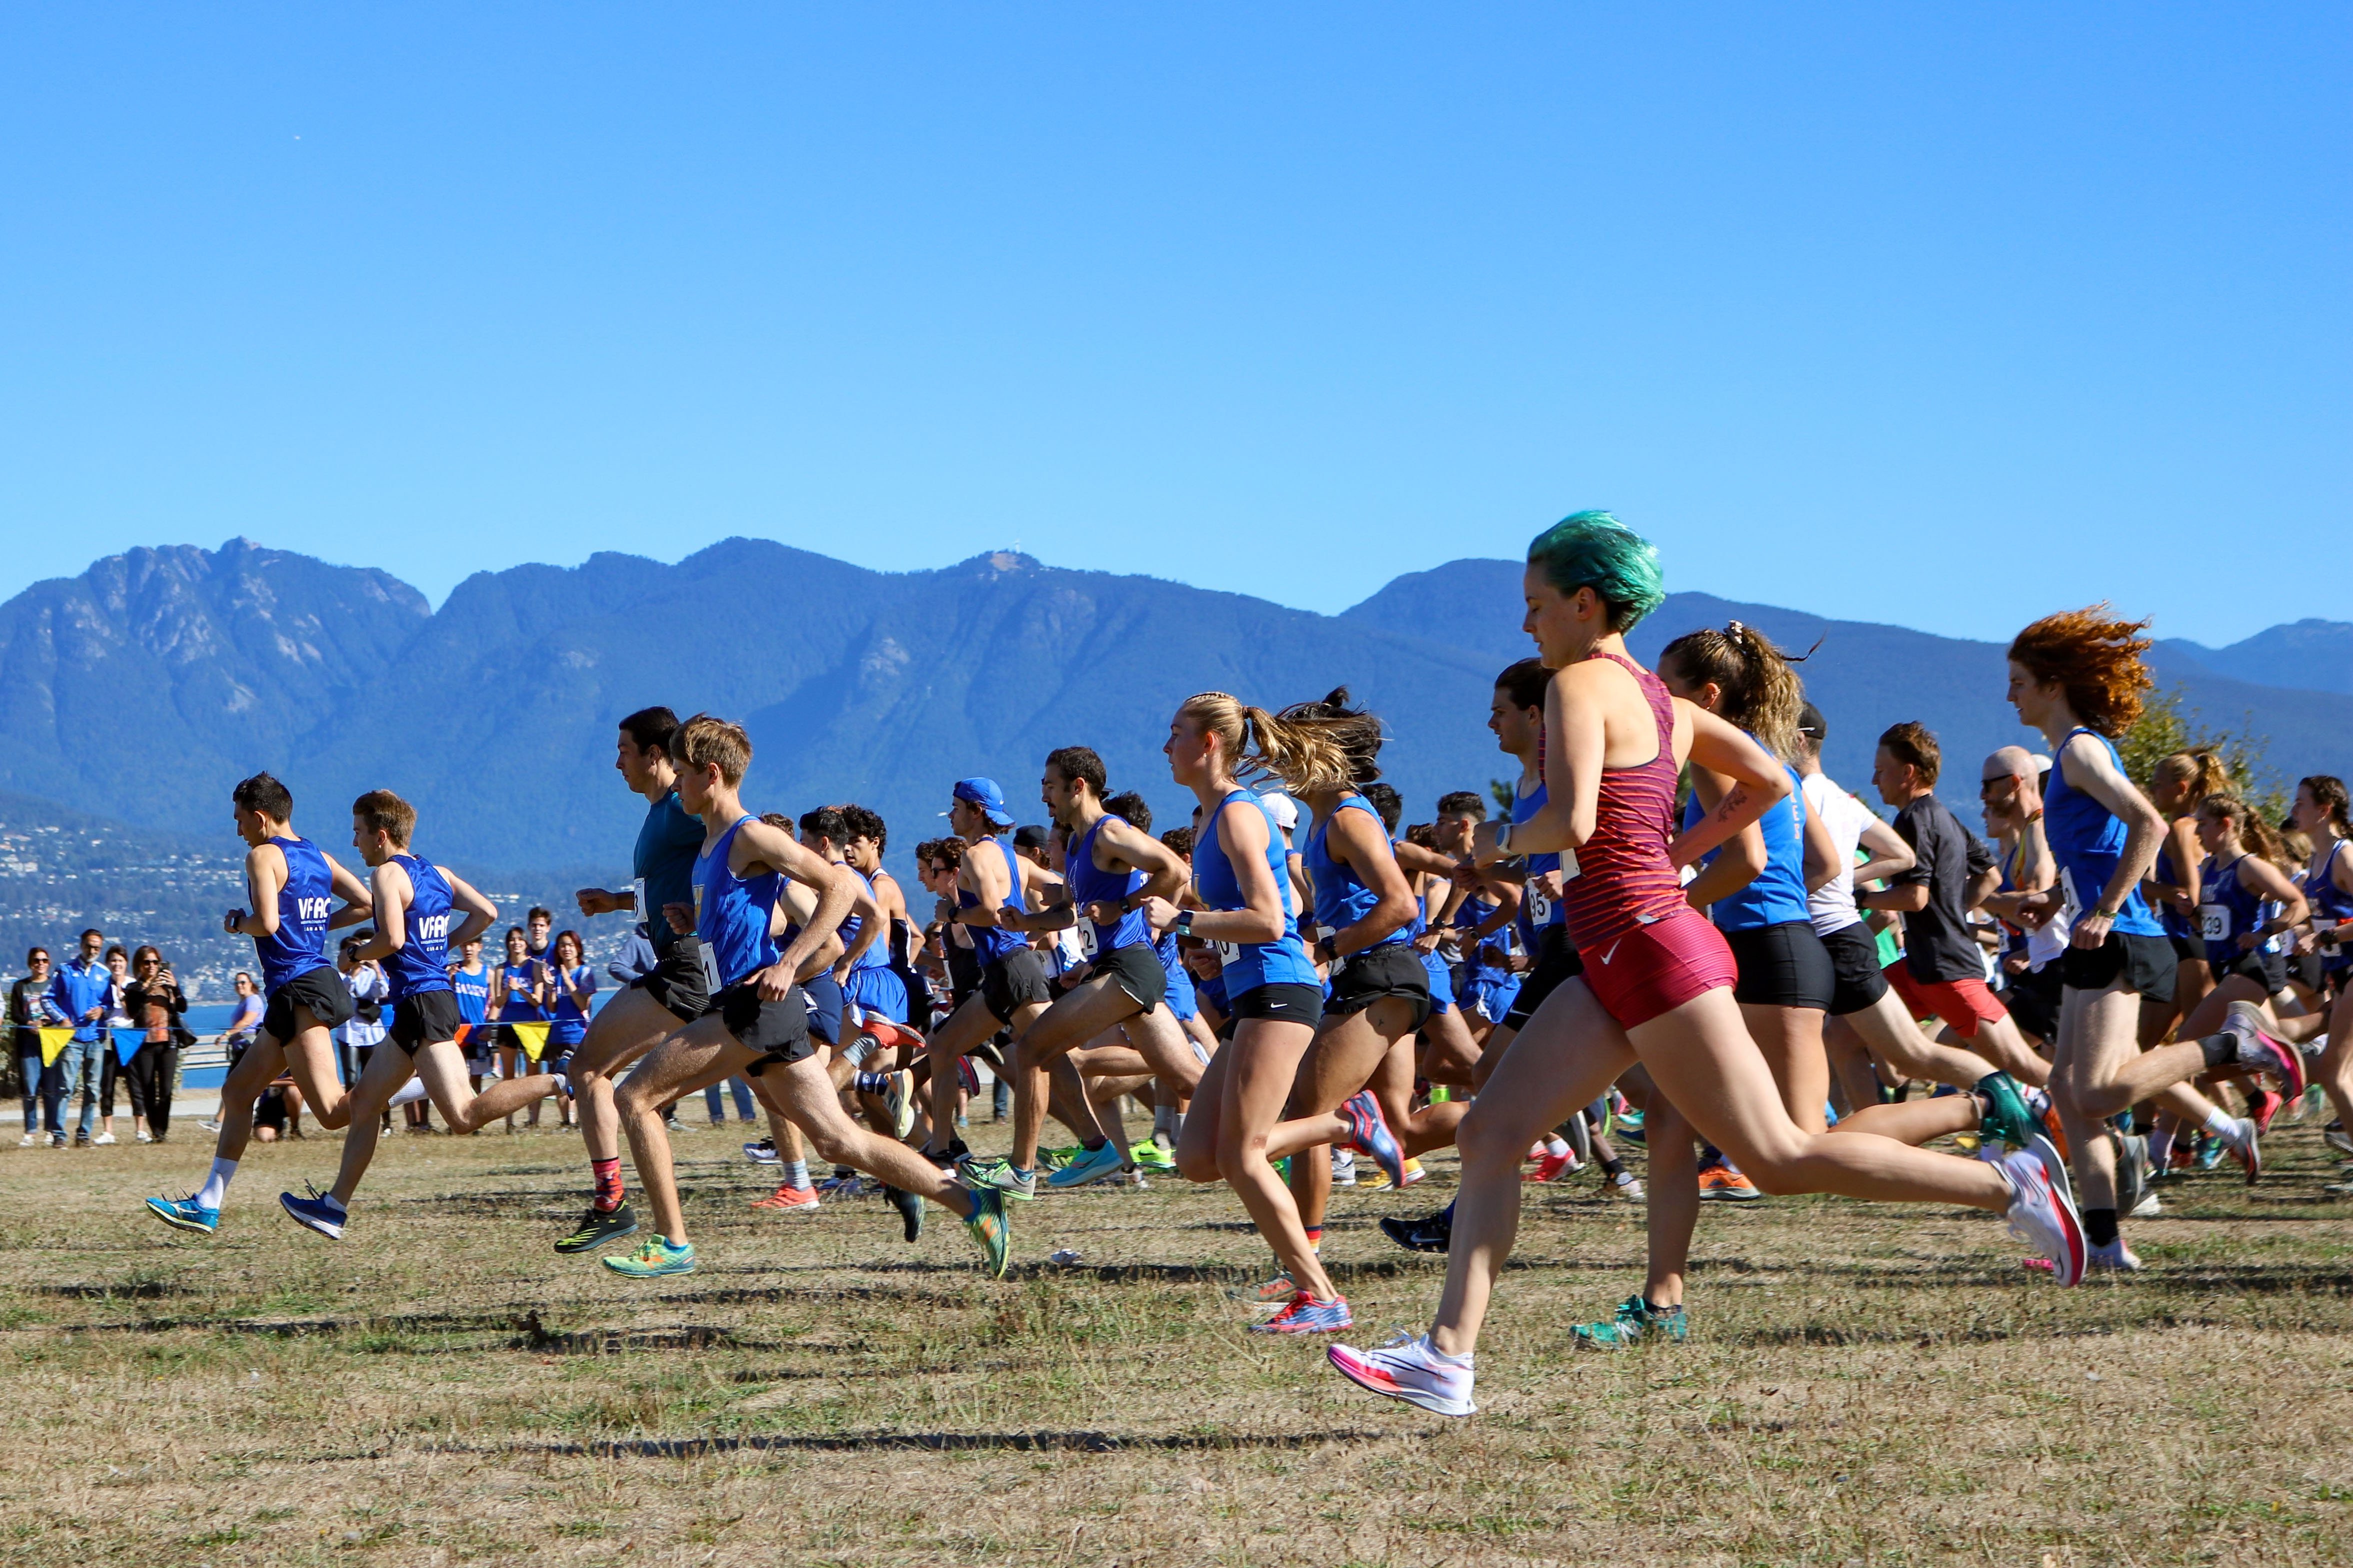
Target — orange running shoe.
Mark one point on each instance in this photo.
(789, 1200)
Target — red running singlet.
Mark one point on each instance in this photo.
(1646, 950)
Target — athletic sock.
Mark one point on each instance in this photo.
(215, 1187)
(333, 1202)
(1091, 1144)
(606, 1176)
(1613, 1168)
(796, 1173)
(1441, 1357)
(1161, 1115)
(409, 1093)
(2099, 1226)
(1315, 1235)
(2220, 1050)
(1556, 1145)
(2221, 1123)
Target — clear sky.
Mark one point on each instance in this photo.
(1938, 319)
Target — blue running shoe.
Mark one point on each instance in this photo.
(186, 1213)
(1368, 1130)
(1092, 1166)
(318, 1212)
(1306, 1315)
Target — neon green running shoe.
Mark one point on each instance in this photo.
(654, 1259)
(989, 1229)
(1151, 1157)
(1636, 1322)
(1055, 1159)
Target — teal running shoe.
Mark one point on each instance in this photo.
(1092, 1166)
(654, 1259)
(186, 1213)
(1636, 1321)
(989, 1229)
(2002, 1114)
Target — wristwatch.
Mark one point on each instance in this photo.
(1183, 924)
(1503, 838)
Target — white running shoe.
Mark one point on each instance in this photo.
(101, 1139)
(1344, 1167)
(2147, 1208)
(899, 1097)
(1406, 1368)
(1625, 1184)
(145, 1137)
(2116, 1257)
(2041, 1216)
(29, 1139)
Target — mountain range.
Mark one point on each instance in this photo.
(143, 689)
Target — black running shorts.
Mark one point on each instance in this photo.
(2141, 965)
(1556, 961)
(773, 1031)
(676, 980)
(2032, 999)
(2268, 970)
(321, 990)
(1856, 981)
(422, 1017)
(1393, 969)
(1782, 965)
(1134, 968)
(1283, 1004)
(1017, 978)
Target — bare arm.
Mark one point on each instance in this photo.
(1243, 831)
(2188, 864)
(1739, 863)
(759, 843)
(2090, 770)
(479, 911)
(2274, 885)
(1821, 853)
(1756, 782)
(357, 907)
(1890, 856)
(265, 874)
(392, 897)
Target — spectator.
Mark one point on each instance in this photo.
(154, 1001)
(82, 992)
(29, 1008)
(120, 1035)
(246, 1023)
(357, 1040)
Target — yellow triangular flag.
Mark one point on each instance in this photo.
(533, 1038)
(53, 1041)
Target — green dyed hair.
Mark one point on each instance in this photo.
(1594, 550)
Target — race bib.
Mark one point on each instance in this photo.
(645, 912)
(2214, 921)
(1539, 909)
(1568, 864)
(712, 984)
(1230, 952)
(1089, 943)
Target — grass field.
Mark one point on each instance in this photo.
(1864, 1385)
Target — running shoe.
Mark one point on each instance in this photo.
(989, 1229)
(598, 1227)
(2336, 1138)
(1373, 1181)
(1625, 1183)
(910, 1210)
(2244, 1145)
(2265, 1105)
(102, 1140)
(899, 1097)
(2004, 1115)
(2053, 1154)
(840, 1184)
(2115, 1257)
(1433, 1233)
(1635, 1322)
(1092, 1166)
(763, 1152)
(1055, 1159)
(1344, 1167)
(1630, 1122)
(2041, 1216)
(1725, 1184)
(186, 1213)
(1153, 1157)
(1306, 1315)
(1368, 1130)
(1274, 1292)
(29, 1139)
(1000, 1175)
(1550, 1166)
(790, 1199)
(2260, 1052)
(2149, 1207)
(318, 1212)
(2132, 1173)
(1407, 1368)
(2209, 1152)
(654, 1259)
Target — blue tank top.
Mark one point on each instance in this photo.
(299, 945)
(2170, 916)
(1090, 884)
(1251, 964)
(1180, 979)
(878, 952)
(473, 994)
(1778, 894)
(1482, 957)
(422, 963)
(519, 1008)
(1537, 911)
(2087, 839)
(993, 944)
(2330, 904)
(732, 913)
(1341, 897)
(2228, 908)
(568, 1022)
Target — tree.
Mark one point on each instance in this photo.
(1506, 793)
(2163, 728)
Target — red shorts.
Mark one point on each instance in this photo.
(1656, 968)
(1964, 1003)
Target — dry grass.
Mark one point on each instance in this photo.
(1866, 1386)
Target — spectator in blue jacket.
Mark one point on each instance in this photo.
(83, 991)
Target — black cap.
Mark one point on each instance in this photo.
(1811, 725)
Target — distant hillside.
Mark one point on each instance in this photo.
(1866, 677)
(2311, 654)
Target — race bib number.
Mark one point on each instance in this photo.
(645, 912)
(1230, 953)
(1089, 943)
(1540, 910)
(712, 984)
(2214, 921)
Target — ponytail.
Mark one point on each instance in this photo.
(2200, 774)
(1316, 746)
(1760, 692)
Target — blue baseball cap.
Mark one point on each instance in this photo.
(984, 793)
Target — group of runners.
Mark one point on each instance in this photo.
(1676, 929)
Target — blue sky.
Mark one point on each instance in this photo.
(1941, 319)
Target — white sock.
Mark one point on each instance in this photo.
(1556, 1146)
(1441, 1357)
(216, 1185)
(407, 1093)
(2221, 1123)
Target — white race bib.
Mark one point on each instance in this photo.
(1569, 867)
(2214, 921)
(1230, 953)
(637, 894)
(2067, 882)
(1539, 909)
(712, 984)
(1089, 942)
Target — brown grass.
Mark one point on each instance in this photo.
(1866, 1385)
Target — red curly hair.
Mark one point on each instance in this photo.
(2095, 657)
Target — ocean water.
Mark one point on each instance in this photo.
(208, 1020)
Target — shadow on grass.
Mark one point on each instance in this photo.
(923, 1442)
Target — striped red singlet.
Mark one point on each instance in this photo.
(1623, 878)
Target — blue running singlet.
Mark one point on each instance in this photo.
(731, 914)
(473, 992)
(1251, 964)
(1778, 894)
(1537, 910)
(2227, 910)
(568, 1021)
(2332, 909)
(1180, 997)
(299, 945)
(1342, 898)
(1090, 884)
(994, 944)
(422, 961)
(2088, 840)
(2169, 916)
(663, 866)
(519, 1008)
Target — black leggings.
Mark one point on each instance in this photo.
(150, 1074)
